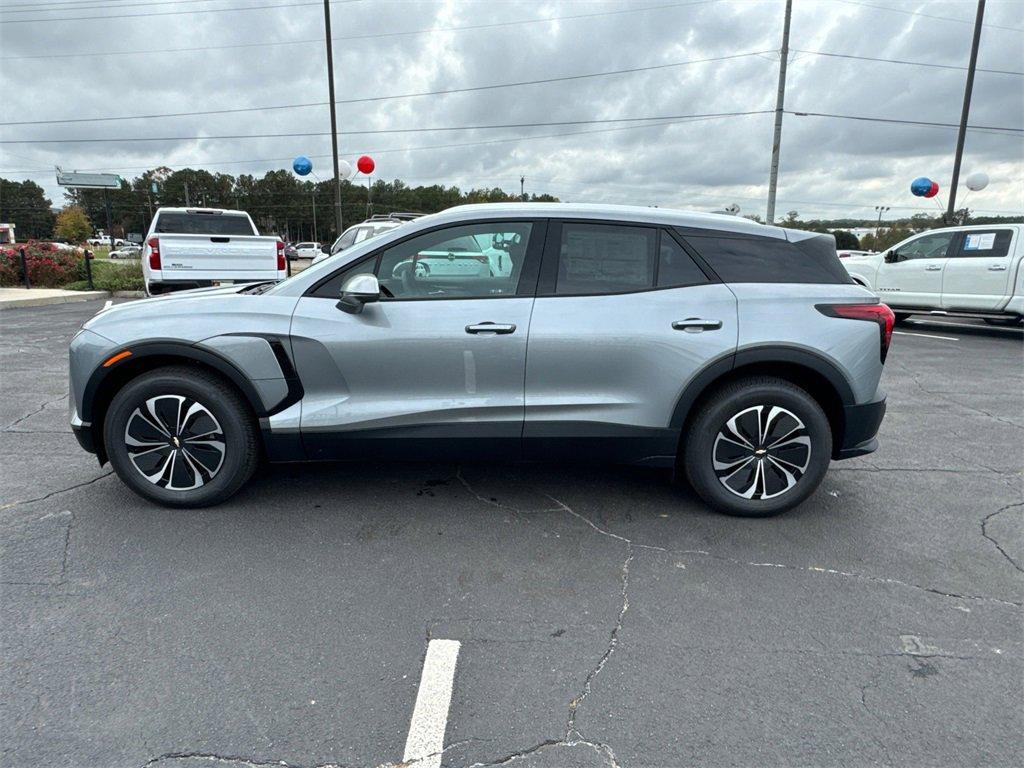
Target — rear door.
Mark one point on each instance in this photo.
(914, 278)
(623, 319)
(435, 368)
(978, 273)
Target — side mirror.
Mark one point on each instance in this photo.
(358, 291)
(890, 256)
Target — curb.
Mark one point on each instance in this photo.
(43, 301)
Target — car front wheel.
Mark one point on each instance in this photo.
(759, 446)
(181, 437)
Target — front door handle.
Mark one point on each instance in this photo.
(696, 325)
(489, 328)
(996, 268)
(933, 267)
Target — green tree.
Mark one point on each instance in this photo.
(846, 240)
(24, 204)
(72, 226)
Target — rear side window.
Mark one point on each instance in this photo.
(675, 267)
(746, 259)
(203, 224)
(993, 245)
(605, 258)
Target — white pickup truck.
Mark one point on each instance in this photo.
(198, 247)
(972, 271)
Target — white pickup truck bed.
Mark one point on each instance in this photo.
(213, 246)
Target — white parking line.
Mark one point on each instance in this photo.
(430, 715)
(927, 335)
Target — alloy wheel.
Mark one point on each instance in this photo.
(761, 452)
(175, 442)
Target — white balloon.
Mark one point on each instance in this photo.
(344, 170)
(977, 181)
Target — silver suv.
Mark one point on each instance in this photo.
(739, 354)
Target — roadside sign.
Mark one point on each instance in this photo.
(87, 180)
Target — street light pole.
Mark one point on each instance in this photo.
(780, 102)
(334, 116)
(881, 209)
(965, 112)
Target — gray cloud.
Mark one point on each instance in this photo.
(829, 167)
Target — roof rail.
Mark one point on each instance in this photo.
(396, 216)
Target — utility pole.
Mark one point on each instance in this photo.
(187, 201)
(780, 101)
(966, 111)
(334, 116)
(881, 209)
(522, 186)
(316, 237)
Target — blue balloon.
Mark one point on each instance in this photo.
(920, 186)
(303, 166)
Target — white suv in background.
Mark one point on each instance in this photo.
(972, 271)
(373, 226)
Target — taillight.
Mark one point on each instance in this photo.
(280, 256)
(154, 252)
(876, 313)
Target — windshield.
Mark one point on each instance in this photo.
(203, 224)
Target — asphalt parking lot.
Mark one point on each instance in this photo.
(605, 616)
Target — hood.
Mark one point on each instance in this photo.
(165, 300)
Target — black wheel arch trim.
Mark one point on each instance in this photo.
(759, 353)
(191, 352)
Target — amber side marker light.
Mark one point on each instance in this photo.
(115, 358)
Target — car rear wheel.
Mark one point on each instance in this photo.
(757, 447)
(181, 437)
(901, 317)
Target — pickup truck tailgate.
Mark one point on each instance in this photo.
(220, 254)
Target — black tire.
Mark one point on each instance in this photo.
(709, 441)
(1004, 322)
(901, 317)
(217, 441)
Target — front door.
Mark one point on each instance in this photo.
(914, 277)
(977, 276)
(623, 318)
(435, 368)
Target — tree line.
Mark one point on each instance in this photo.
(279, 202)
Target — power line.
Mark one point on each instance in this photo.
(471, 89)
(118, 17)
(928, 15)
(369, 36)
(388, 150)
(381, 130)
(84, 6)
(904, 61)
(895, 121)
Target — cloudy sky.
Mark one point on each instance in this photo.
(59, 62)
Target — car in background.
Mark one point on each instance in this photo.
(104, 240)
(740, 354)
(487, 255)
(307, 250)
(289, 252)
(126, 252)
(970, 271)
(373, 226)
(845, 254)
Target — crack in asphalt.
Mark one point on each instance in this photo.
(62, 399)
(51, 494)
(954, 401)
(984, 532)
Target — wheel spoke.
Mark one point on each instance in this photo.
(757, 471)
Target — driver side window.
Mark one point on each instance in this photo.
(928, 247)
(471, 261)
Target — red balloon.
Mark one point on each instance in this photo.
(365, 164)
(933, 190)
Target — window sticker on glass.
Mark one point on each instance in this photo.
(980, 242)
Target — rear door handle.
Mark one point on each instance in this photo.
(996, 268)
(491, 328)
(933, 267)
(696, 325)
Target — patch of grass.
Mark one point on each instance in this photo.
(108, 276)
